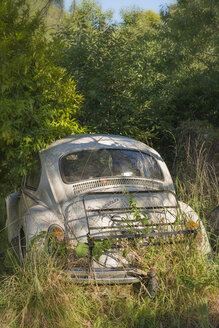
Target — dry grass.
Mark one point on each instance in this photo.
(38, 295)
(196, 180)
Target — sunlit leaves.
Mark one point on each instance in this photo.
(38, 100)
(82, 250)
(148, 74)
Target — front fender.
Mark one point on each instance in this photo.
(190, 215)
(37, 219)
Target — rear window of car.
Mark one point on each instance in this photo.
(102, 163)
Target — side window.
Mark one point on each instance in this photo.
(33, 178)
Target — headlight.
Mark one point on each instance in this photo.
(193, 225)
(57, 232)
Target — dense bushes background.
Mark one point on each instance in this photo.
(147, 75)
(38, 99)
(153, 77)
(144, 77)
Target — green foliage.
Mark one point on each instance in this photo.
(137, 214)
(140, 18)
(106, 63)
(196, 182)
(40, 295)
(38, 100)
(101, 247)
(147, 75)
(48, 244)
(142, 78)
(82, 250)
(190, 54)
(52, 13)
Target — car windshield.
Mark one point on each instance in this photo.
(102, 163)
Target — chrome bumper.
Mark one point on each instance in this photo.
(106, 276)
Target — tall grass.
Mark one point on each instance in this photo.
(196, 181)
(40, 295)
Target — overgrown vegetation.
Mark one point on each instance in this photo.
(147, 75)
(144, 77)
(38, 99)
(39, 294)
(151, 77)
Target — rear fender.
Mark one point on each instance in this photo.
(37, 219)
(12, 215)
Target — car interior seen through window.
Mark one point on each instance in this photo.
(91, 164)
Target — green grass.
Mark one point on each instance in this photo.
(39, 295)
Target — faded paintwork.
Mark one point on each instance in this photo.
(85, 208)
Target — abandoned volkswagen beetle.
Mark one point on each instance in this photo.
(83, 191)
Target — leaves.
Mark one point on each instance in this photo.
(141, 78)
(38, 100)
(101, 247)
(82, 250)
(147, 75)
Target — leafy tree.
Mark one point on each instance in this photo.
(148, 75)
(139, 17)
(38, 100)
(52, 12)
(189, 46)
(107, 61)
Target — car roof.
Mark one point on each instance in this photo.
(94, 141)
